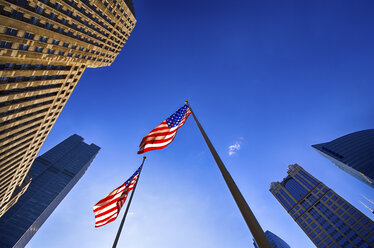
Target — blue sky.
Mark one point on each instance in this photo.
(274, 77)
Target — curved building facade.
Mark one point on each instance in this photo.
(353, 153)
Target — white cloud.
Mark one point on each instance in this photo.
(234, 148)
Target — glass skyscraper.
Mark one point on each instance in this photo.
(353, 153)
(53, 175)
(327, 219)
(274, 241)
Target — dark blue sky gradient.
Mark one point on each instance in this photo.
(272, 76)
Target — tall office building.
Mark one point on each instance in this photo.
(353, 153)
(54, 175)
(45, 46)
(327, 219)
(274, 241)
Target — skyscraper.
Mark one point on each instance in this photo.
(353, 153)
(54, 175)
(274, 241)
(327, 219)
(45, 46)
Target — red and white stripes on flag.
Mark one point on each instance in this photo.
(164, 133)
(107, 209)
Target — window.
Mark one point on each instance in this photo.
(371, 227)
(5, 44)
(11, 31)
(289, 199)
(364, 233)
(357, 240)
(328, 241)
(29, 36)
(48, 25)
(17, 15)
(318, 240)
(23, 47)
(283, 201)
(305, 204)
(39, 9)
(364, 221)
(70, 54)
(57, 6)
(65, 44)
(55, 42)
(34, 20)
(38, 49)
(351, 221)
(61, 53)
(74, 46)
(43, 38)
(358, 216)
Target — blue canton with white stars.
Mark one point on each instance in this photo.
(176, 118)
(132, 177)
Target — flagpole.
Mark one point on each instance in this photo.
(250, 219)
(127, 207)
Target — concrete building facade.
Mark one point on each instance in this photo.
(45, 46)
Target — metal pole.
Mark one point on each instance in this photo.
(250, 219)
(127, 208)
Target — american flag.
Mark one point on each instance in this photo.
(164, 133)
(107, 209)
